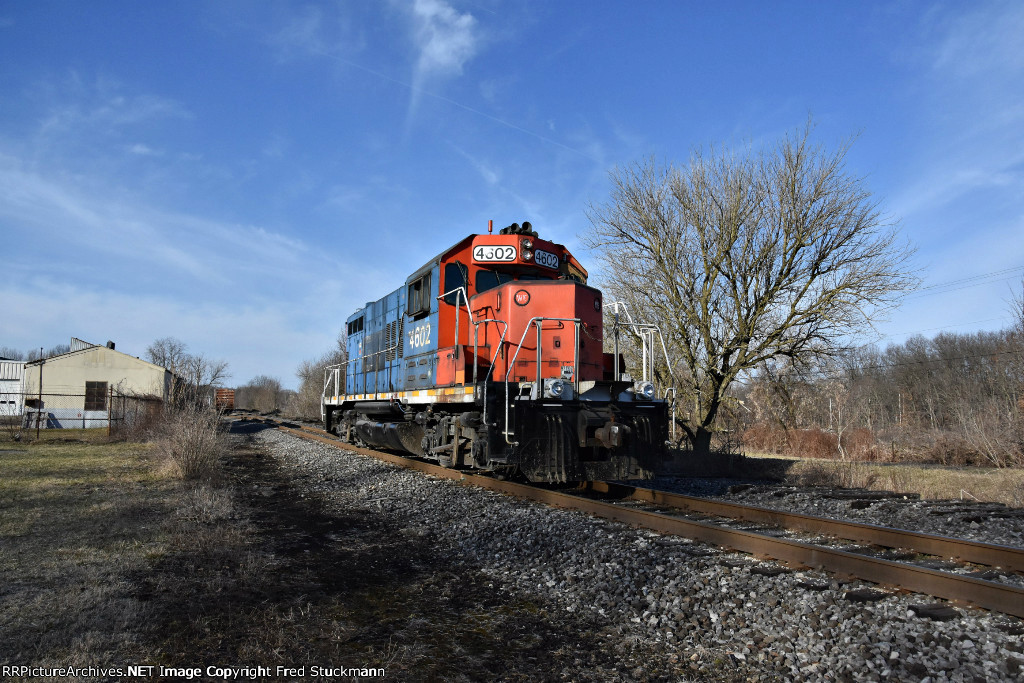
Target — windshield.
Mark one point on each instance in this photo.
(489, 279)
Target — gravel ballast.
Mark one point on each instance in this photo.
(689, 609)
(986, 522)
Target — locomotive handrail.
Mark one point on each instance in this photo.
(394, 347)
(539, 320)
(476, 339)
(643, 330)
(331, 373)
(464, 295)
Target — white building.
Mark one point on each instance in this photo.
(76, 386)
(12, 375)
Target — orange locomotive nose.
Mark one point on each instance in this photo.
(560, 317)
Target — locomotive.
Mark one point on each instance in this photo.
(491, 356)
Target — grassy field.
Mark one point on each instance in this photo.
(80, 519)
(930, 481)
(109, 560)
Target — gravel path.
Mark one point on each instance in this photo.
(690, 609)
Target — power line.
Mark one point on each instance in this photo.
(944, 359)
(932, 329)
(964, 283)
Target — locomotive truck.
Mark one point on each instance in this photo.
(491, 356)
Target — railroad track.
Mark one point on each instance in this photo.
(592, 498)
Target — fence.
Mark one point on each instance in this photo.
(110, 410)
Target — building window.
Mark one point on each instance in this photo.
(95, 395)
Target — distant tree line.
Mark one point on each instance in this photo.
(11, 353)
(266, 394)
(955, 398)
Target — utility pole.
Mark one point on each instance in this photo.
(39, 408)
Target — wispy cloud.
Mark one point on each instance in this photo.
(975, 104)
(983, 38)
(445, 38)
(961, 195)
(102, 105)
(331, 31)
(485, 170)
(301, 33)
(254, 338)
(445, 41)
(144, 150)
(96, 261)
(102, 224)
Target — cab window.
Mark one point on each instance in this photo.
(418, 297)
(489, 279)
(455, 275)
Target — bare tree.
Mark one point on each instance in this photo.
(57, 350)
(1017, 310)
(743, 257)
(167, 352)
(847, 404)
(200, 375)
(11, 353)
(194, 374)
(263, 393)
(311, 378)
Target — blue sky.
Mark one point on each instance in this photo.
(244, 175)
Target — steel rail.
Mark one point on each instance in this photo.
(989, 595)
(976, 552)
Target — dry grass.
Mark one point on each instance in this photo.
(79, 520)
(999, 485)
(107, 560)
(190, 443)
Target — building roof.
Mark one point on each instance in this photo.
(85, 347)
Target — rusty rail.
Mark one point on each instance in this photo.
(989, 595)
(989, 554)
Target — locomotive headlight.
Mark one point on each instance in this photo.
(556, 388)
(644, 390)
(527, 244)
(527, 255)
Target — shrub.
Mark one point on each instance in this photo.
(190, 442)
(833, 474)
(860, 444)
(949, 449)
(812, 443)
(765, 438)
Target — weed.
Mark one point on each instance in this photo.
(206, 505)
(190, 443)
(899, 480)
